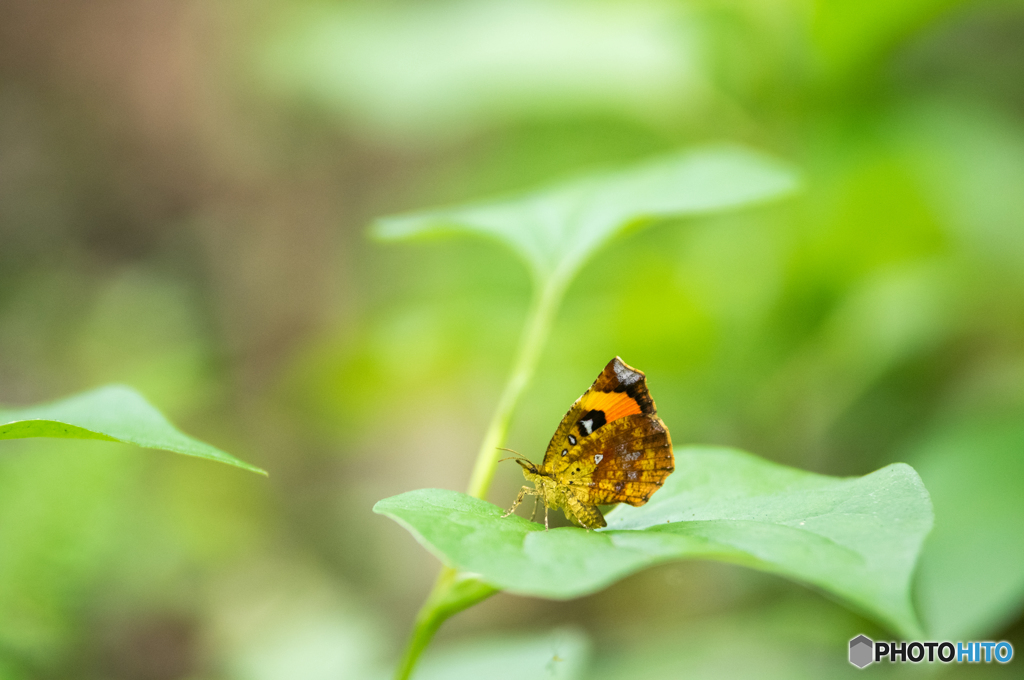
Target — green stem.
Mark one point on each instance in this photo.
(535, 335)
(454, 591)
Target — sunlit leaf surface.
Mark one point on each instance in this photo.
(856, 538)
(112, 413)
(555, 230)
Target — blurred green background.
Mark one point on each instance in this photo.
(184, 194)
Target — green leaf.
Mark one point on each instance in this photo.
(555, 230)
(855, 538)
(111, 413)
(970, 583)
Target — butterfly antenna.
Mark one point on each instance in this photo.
(518, 456)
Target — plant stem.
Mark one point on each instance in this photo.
(535, 335)
(454, 591)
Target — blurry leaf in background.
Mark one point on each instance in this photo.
(556, 230)
(971, 578)
(280, 618)
(414, 72)
(856, 538)
(112, 413)
(561, 654)
(797, 638)
(850, 36)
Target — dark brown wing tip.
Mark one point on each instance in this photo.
(618, 376)
(622, 373)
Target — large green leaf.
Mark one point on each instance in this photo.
(856, 538)
(555, 230)
(112, 413)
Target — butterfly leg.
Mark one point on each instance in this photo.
(536, 499)
(523, 492)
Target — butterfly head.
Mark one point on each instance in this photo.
(526, 465)
(522, 460)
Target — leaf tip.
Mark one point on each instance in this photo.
(394, 227)
(381, 507)
(381, 229)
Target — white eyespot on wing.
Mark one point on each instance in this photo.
(588, 424)
(631, 475)
(598, 458)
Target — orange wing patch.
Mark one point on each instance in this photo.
(614, 404)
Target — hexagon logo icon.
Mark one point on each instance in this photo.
(861, 651)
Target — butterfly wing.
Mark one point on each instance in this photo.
(611, 447)
(628, 463)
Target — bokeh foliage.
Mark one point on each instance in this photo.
(184, 196)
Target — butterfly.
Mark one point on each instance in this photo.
(611, 447)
